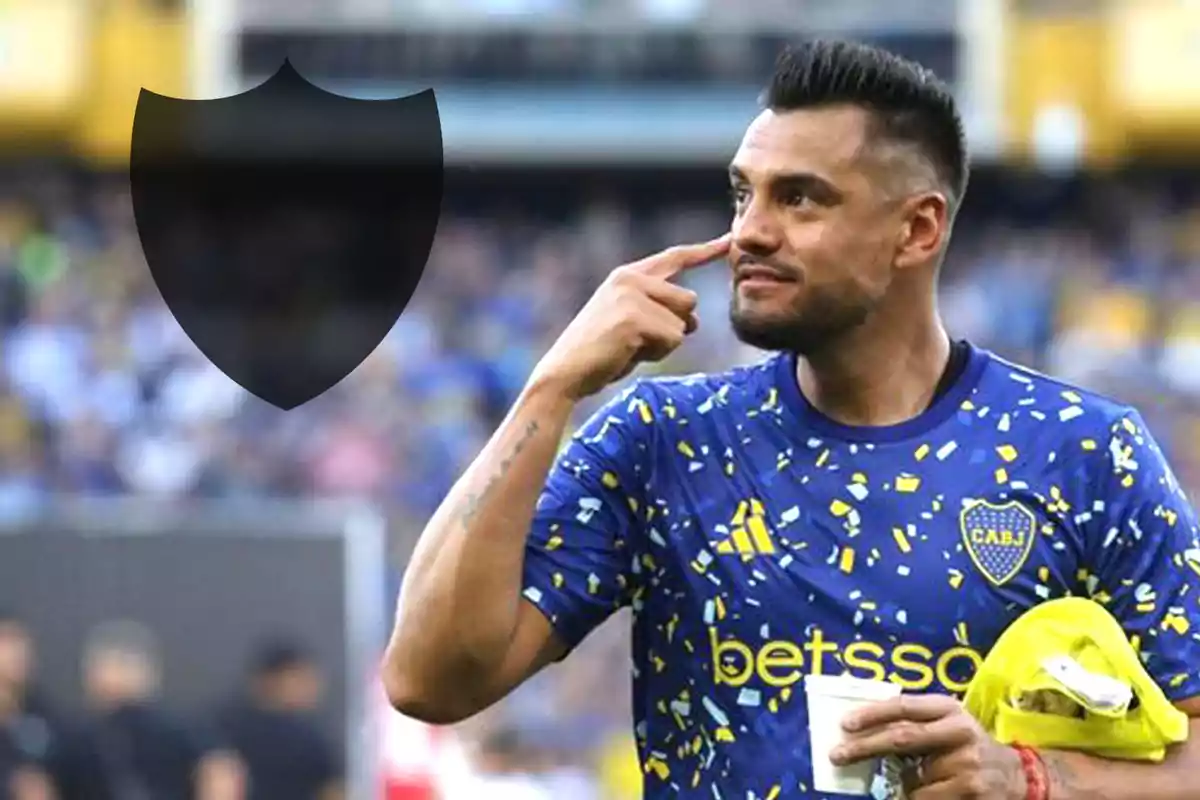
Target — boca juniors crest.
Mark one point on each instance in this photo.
(998, 538)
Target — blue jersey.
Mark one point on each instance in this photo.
(757, 540)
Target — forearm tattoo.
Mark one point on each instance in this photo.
(475, 500)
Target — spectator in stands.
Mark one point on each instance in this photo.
(130, 748)
(271, 727)
(28, 735)
(18, 670)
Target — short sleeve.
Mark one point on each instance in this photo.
(578, 560)
(1146, 558)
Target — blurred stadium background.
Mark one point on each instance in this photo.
(161, 518)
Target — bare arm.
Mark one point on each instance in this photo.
(1077, 776)
(464, 637)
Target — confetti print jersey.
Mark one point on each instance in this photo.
(757, 541)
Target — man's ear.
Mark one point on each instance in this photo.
(925, 229)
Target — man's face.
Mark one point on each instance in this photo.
(16, 655)
(815, 234)
(112, 677)
(298, 688)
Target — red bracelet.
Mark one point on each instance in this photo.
(1037, 781)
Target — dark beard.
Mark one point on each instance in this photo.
(804, 334)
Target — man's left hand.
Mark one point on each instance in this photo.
(959, 760)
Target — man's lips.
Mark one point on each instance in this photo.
(761, 272)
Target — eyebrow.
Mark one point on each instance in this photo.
(812, 184)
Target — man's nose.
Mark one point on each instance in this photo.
(757, 229)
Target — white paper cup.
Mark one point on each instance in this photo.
(830, 699)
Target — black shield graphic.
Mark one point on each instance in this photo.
(287, 227)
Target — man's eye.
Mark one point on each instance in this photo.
(738, 195)
(796, 198)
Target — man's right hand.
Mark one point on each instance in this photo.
(637, 315)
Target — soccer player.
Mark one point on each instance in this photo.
(872, 498)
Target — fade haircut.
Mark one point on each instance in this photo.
(908, 104)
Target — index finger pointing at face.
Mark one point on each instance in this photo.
(673, 260)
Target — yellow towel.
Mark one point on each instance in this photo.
(1033, 687)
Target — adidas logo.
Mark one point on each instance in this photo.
(749, 535)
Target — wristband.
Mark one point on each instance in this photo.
(1037, 783)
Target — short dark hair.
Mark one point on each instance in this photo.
(279, 654)
(908, 102)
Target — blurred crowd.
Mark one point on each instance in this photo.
(1093, 279)
(102, 393)
(127, 742)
